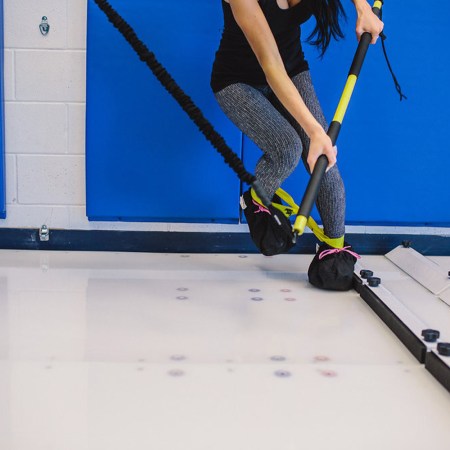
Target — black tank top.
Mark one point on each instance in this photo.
(235, 61)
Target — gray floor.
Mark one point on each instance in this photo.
(106, 351)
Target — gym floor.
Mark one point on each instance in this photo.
(201, 351)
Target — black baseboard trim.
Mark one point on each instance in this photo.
(433, 363)
(438, 369)
(202, 242)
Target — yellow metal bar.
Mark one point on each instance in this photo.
(300, 224)
(301, 221)
(378, 4)
(345, 98)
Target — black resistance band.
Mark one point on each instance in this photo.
(186, 103)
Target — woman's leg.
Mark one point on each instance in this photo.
(331, 196)
(250, 110)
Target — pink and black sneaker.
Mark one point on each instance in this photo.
(271, 231)
(332, 268)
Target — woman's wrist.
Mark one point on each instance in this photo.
(314, 129)
(361, 6)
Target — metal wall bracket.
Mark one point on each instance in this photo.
(44, 233)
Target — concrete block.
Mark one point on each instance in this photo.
(77, 128)
(36, 128)
(76, 24)
(50, 76)
(51, 180)
(22, 20)
(8, 75)
(25, 216)
(11, 179)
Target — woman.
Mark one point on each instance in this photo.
(261, 80)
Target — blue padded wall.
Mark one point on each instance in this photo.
(393, 155)
(145, 159)
(2, 125)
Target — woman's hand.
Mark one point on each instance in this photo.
(320, 144)
(367, 21)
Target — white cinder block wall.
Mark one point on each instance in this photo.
(45, 85)
(45, 99)
(44, 80)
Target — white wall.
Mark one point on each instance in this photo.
(45, 119)
(45, 123)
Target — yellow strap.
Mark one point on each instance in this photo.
(291, 209)
(318, 232)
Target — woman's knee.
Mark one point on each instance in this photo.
(288, 148)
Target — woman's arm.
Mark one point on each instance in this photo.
(367, 20)
(253, 23)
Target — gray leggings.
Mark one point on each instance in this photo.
(259, 115)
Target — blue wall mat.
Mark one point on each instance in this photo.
(145, 159)
(2, 125)
(393, 155)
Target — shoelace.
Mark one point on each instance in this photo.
(332, 251)
(260, 208)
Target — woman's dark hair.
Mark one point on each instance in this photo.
(327, 14)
